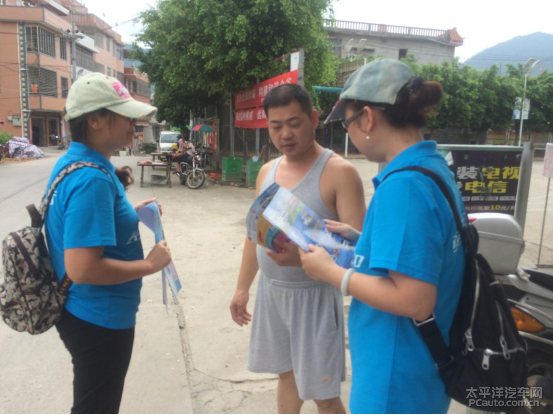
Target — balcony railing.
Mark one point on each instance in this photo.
(387, 30)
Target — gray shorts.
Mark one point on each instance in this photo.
(299, 326)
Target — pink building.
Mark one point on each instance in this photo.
(36, 58)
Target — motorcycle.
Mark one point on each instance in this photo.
(192, 175)
(61, 144)
(530, 293)
(205, 153)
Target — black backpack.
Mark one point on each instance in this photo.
(484, 366)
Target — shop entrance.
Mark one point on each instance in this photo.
(38, 135)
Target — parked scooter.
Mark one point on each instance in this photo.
(192, 175)
(530, 293)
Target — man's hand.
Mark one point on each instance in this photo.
(238, 308)
(286, 254)
(140, 205)
(317, 263)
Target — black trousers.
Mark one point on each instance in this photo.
(100, 359)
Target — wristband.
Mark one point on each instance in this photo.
(345, 281)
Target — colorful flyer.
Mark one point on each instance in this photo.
(278, 213)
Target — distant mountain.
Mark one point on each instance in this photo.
(519, 49)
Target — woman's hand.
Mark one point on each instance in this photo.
(159, 257)
(317, 263)
(342, 229)
(140, 205)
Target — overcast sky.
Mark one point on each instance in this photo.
(482, 23)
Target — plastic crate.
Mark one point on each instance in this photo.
(252, 171)
(232, 166)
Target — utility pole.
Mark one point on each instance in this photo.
(73, 35)
(257, 135)
(522, 110)
(528, 67)
(231, 123)
(301, 67)
(73, 46)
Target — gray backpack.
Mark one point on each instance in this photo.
(31, 298)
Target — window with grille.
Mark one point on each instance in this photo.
(63, 48)
(109, 71)
(142, 88)
(40, 40)
(85, 58)
(43, 81)
(120, 52)
(134, 87)
(32, 38)
(98, 40)
(108, 44)
(64, 87)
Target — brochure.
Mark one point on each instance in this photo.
(150, 216)
(278, 213)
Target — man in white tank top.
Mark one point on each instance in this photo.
(298, 324)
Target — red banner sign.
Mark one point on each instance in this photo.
(253, 97)
(250, 118)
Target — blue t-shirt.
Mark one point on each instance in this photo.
(409, 228)
(90, 209)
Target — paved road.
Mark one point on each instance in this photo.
(36, 370)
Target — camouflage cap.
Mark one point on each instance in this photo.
(377, 82)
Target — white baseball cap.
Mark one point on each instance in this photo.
(96, 91)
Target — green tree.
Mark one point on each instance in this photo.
(477, 99)
(494, 104)
(5, 137)
(540, 92)
(412, 62)
(201, 50)
(460, 84)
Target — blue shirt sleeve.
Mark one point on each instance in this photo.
(89, 219)
(406, 234)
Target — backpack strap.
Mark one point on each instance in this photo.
(47, 199)
(38, 216)
(36, 219)
(428, 328)
(443, 187)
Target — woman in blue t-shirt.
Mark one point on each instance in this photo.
(93, 237)
(409, 261)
